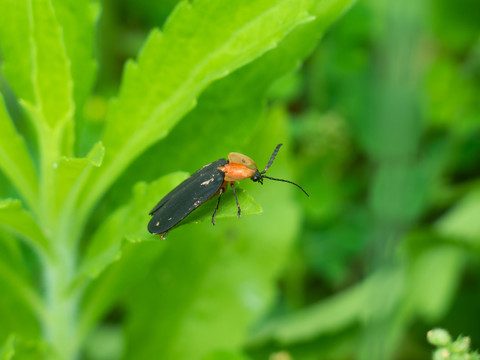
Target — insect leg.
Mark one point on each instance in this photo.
(232, 184)
(164, 235)
(222, 190)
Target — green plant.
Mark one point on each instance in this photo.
(448, 349)
(209, 67)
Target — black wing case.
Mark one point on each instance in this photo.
(186, 197)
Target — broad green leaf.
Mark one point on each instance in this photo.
(16, 50)
(51, 109)
(237, 99)
(435, 277)
(152, 99)
(461, 222)
(18, 221)
(51, 77)
(15, 160)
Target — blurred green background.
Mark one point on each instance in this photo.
(381, 125)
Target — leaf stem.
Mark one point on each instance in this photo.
(60, 326)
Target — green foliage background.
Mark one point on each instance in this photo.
(106, 106)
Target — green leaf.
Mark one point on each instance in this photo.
(77, 20)
(18, 221)
(237, 99)
(105, 245)
(109, 248)
(35, 45)
(17, 291)
(16, 49)
(15, 160)
(335, 313)
(71, 175)
(227, 208)
(11, 254)
(188, 49)
(434, 279)
(20, 292)
(52, 81)
(7, 350)
(105, 290)
(17, 348)
(331, 315)
(461, 222)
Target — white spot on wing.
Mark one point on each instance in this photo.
(206, 182)
(196, 203)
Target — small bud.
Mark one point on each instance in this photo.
(441, 354)
(439, 337)
(461, 345)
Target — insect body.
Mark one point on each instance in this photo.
(205, 183)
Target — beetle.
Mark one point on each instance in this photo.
(202, 185)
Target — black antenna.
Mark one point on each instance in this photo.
(259, 176)
(270, 162)
(287, 181)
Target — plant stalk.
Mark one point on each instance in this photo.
(61, 325)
